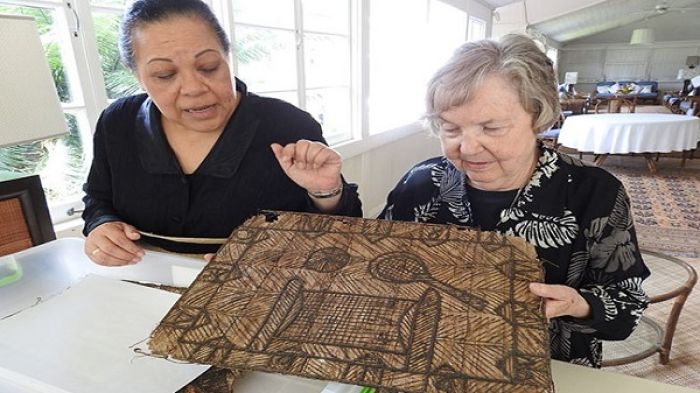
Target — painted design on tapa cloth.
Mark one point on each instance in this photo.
(401, 306)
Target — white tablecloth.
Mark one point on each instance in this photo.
(622, 133)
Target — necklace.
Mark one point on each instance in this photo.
(517, 195)
(491, 208)
(507, 213)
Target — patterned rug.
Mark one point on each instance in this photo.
(666, 205)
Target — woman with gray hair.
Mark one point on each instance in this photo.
(197, 154)
(487, 105)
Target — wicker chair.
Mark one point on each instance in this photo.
(24, 215)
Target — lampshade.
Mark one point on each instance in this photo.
(692, 61)
(29, 105)
(642, 36)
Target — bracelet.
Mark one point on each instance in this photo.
(326, 194)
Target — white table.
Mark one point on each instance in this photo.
(625, 133)
(49, 268)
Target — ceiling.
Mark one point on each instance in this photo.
(612, 21)
(499, 3)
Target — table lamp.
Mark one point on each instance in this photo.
(570, 79)
(686, 74)
(29, 105)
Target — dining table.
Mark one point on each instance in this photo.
(647, 134)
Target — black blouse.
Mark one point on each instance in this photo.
(579, 220)
(136, 178)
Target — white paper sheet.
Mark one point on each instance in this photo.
(79, 341)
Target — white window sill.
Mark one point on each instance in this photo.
(70, 228)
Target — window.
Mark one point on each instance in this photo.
(403, 55)
(477, 29)
(301, 54)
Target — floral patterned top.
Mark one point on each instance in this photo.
(579, 220)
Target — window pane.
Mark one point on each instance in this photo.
(400, 68)
(327, 60)
(446, 29)
(326, 16)
(59, 161)
(51, 37)
(119, 81)
(477, 29)
(273, 13)
(331, 108)
(266, 58)
(397, 76)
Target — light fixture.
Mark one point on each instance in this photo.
(692, 61)
(29, 105)
(642, 36)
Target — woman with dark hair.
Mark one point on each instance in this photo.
(197, 154)
(487, 105)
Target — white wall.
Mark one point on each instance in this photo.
(511, 19)
(377, 171)
(621, 61)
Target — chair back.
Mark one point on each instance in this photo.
(24, 215)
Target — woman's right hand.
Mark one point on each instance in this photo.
(112, 244)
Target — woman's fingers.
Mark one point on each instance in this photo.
(278, 151)
(284, 155)
(112, 244)
(300, 154)
(325, 156)
(561, 300)
(304, 155)
(311, 165)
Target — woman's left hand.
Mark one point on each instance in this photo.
(561, 300)
(312, 165)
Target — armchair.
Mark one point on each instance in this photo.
(687, 101)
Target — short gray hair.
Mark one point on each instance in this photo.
(514, 56)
